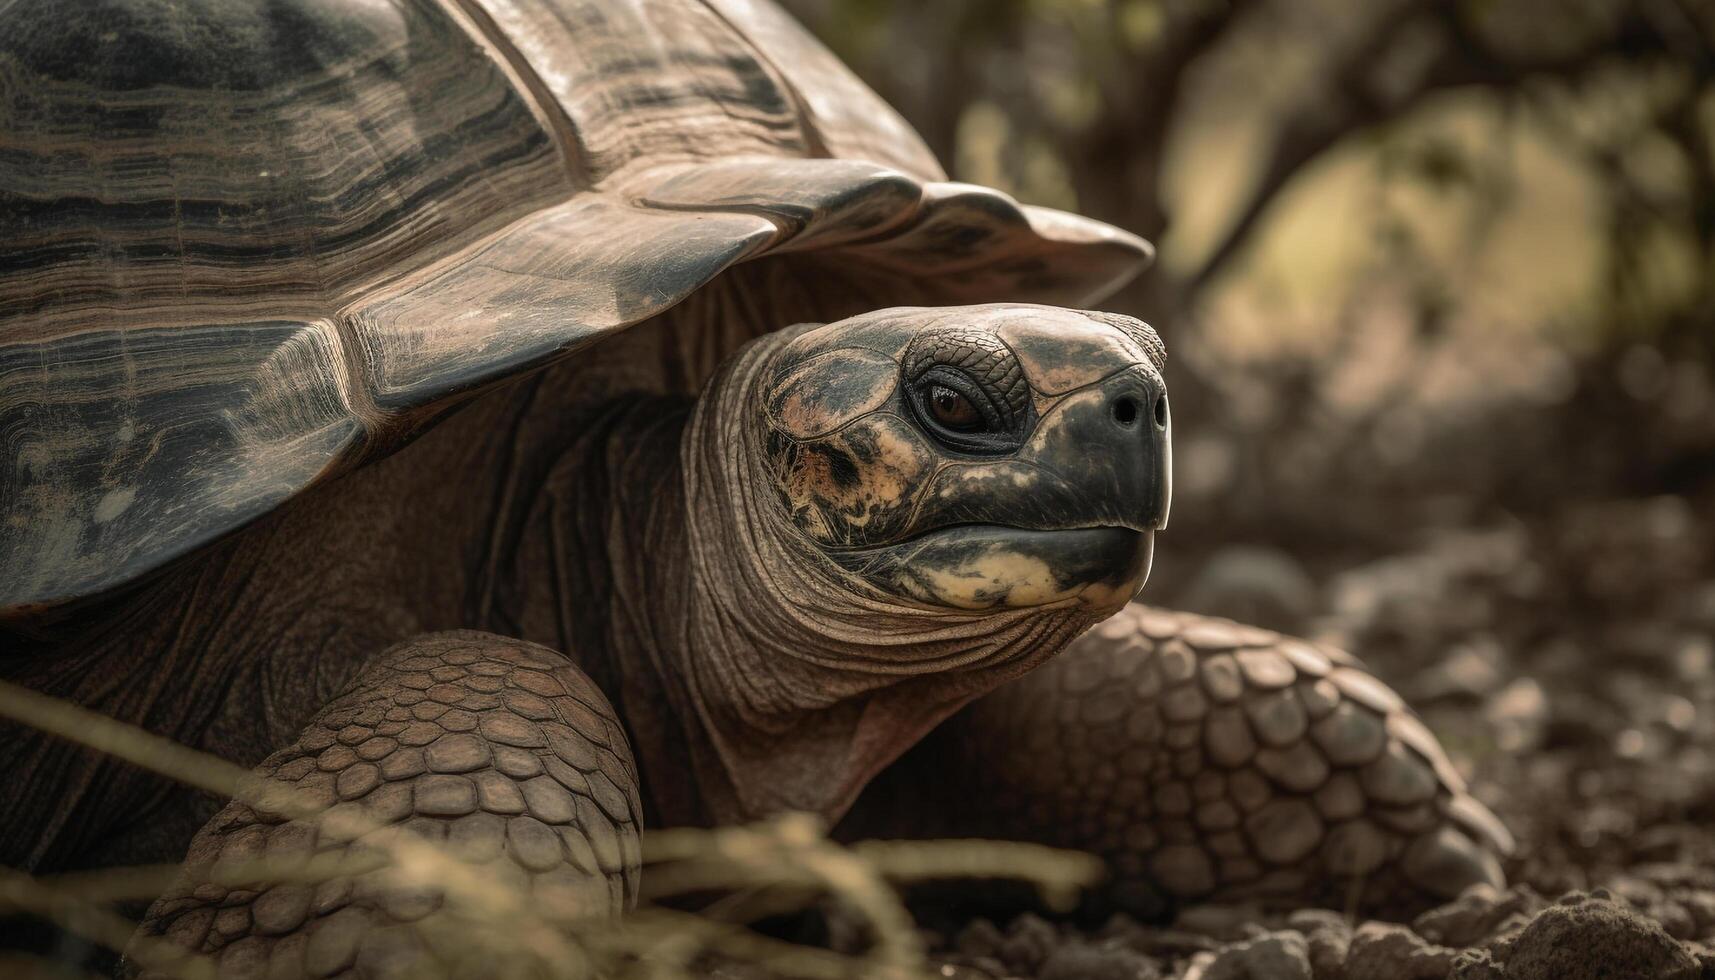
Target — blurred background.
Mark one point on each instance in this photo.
(1437, 281)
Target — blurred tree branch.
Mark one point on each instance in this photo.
(1377, 65)
(1362, 95)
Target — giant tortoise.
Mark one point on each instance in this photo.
(525, 421)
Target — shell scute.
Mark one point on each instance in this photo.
(255, 243)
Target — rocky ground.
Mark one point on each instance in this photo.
(1569, 664)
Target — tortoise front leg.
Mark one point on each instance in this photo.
(498, 751)
(1204, 760)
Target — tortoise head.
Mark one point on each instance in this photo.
(975, 457)
(890, 514)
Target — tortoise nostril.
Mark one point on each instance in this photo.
(1161, 411)
(1125, 411)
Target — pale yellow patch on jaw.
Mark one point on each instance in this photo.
(975, 584)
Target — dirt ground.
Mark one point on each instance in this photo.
(1568, 663)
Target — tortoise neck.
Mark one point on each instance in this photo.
(792, 680)
(593, 558)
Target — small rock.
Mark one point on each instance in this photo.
(1501, 938)
(1086, 961)
(1328, 935)
(980, 938)
(1382, 949)
(1224, 922)
(1700, 903)
(1170, 943)
(1119, 926)
(1028, 943)
(1328, 952)
(1308, 921)
(1596, 938)
(1476, 964)
(1197, 968)
(1281, 955)
(1474, 914)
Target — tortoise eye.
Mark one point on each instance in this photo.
(954, 410)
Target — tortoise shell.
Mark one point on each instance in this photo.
(246, 245)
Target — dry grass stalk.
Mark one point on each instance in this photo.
(491, 927)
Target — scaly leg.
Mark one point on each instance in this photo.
(1203, 760)
(500, 750)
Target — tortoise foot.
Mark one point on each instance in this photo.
(1209, 761)
(461, 777)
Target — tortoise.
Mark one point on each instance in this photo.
(522, 422)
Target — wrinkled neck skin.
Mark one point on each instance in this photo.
(755, 675)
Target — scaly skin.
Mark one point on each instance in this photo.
(499, 748)
(1204, 759)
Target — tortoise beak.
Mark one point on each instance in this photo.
(1115, 443)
